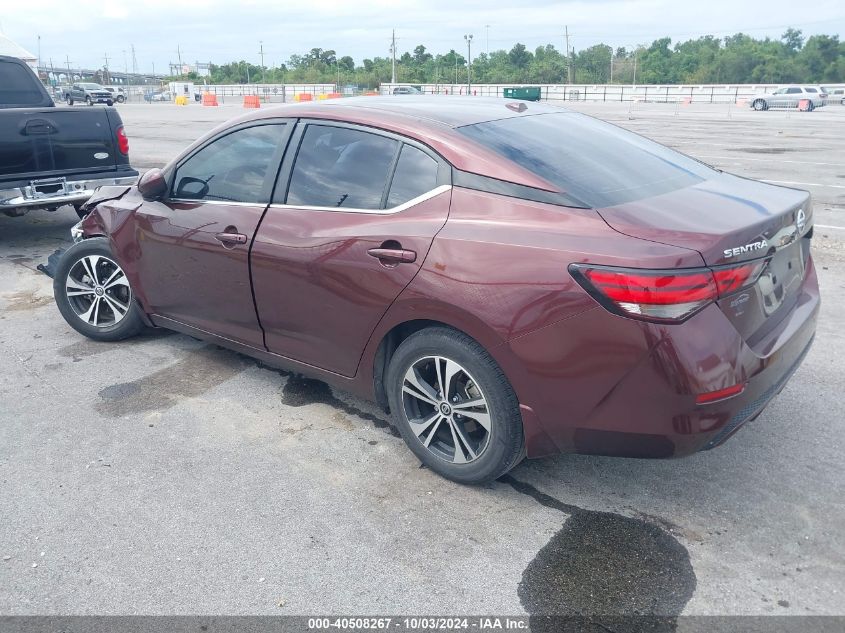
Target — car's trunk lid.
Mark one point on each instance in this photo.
(730, 220)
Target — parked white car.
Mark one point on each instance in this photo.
(835, 95)
(790, 97)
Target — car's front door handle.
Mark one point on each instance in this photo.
(231, 238)
(393, 255)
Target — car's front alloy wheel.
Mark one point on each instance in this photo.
(93, 293)
(454, 406)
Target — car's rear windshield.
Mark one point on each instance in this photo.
(18, 86)
(597, 163)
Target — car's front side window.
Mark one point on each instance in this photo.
(341, 167)
(231, 169)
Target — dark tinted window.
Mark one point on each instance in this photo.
(232, 168)
(594, 162)
(813, 90)
(18, 86)
(341, 167)
(416, 173)
(793, 91)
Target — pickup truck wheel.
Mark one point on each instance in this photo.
(89, 101)
(69, 101)
(109, 102)
(93, 293)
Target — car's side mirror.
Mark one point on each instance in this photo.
(191, 188)
(152, 185)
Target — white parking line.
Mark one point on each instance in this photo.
(742, 159)
(805, 184)
(830, 226)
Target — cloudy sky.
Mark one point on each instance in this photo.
(85, 31)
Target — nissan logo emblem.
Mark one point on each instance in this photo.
(800, 220)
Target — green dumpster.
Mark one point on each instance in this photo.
(531, 93)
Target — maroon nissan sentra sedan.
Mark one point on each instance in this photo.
(507, 279)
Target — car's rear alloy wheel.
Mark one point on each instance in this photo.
(759, 105)
(454, 406)
(93, 293)
(446, 410)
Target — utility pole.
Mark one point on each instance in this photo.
(261, 52)
(134, 61)
(568, 58)
(69, 74)
(634, 82)
(106, 67)
(393, 53)
(39, 51)
(468, 39)
(179, 54)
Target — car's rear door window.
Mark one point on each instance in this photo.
(18, 86)
(416, 174)
(596, 163)
(793, 91)
(232, 168)
(341, 167)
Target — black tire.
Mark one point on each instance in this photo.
(121, 98)
(760, 105)
(89, 101)
(129, 324)
(109, 102)
(811, 107)
(503, 447)
(69, 101)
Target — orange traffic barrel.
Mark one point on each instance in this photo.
(209, 99)
(251, 101)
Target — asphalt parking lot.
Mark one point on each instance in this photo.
(166, 476)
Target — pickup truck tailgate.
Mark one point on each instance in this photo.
(41, 142)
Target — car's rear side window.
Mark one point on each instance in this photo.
(18, 86)
(416, 174)
(341, 167)
(594, 162)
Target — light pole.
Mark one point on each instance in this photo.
(468, 39)
(261, 52)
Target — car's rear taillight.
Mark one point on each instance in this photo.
(122, 141)
(662, 295)
(720, 394)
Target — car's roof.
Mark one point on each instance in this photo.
(450, 110)
(429, 119)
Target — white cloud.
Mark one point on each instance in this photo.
(225, 30)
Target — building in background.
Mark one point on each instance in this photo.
(200, 69)
(11, 49)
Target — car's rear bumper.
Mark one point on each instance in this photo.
(605, 385)
(52, 192)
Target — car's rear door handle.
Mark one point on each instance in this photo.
(231, 238)
(393, 255)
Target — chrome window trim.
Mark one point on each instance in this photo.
(397, 209)
(228, 203)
